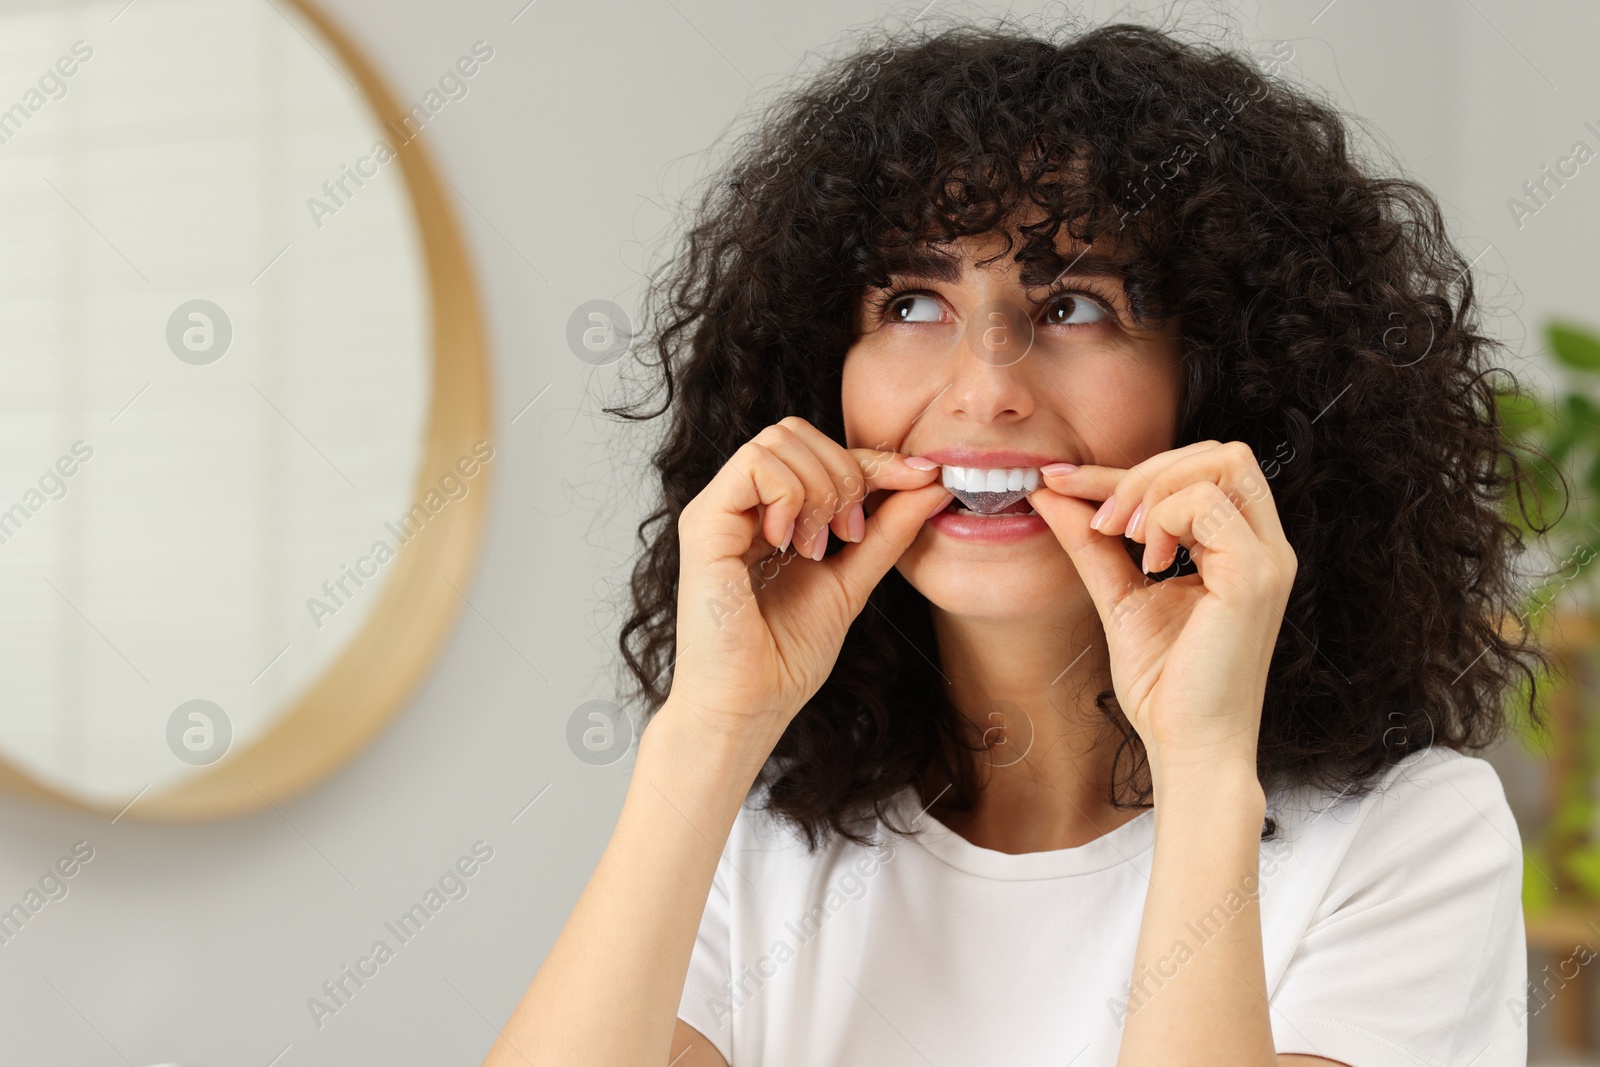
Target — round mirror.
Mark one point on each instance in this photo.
(244, 455)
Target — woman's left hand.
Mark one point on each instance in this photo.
(1189, 655)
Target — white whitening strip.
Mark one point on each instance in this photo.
(987, 490)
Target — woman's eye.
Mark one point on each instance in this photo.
(1064, 310)
(1070, 310)
(914, 308)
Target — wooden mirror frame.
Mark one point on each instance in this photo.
(379, 669)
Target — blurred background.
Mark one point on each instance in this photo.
(313, 533)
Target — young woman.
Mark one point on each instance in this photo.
(1078, 580)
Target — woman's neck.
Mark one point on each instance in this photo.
(1028, 686)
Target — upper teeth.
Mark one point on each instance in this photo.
(991, 479)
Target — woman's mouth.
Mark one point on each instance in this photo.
(990, 505)
(990, 490)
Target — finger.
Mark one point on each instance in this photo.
(843, 471)
(854, 473)
(1220, 540)
(882, 468)
(880, 473)
(1098, 483)
(887, 469)
(780, 493)
(719, 523)
(893, 526)
(1232, 467)
(761, 549)
(1102, 562)
(823, 498)
(1088, 481)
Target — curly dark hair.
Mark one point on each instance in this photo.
(1327, 321)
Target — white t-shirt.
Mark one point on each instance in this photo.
(1392, 933)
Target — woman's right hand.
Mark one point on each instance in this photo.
(758, 630)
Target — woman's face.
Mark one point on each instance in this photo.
(945, 368)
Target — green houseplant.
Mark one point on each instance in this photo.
(1564, 433)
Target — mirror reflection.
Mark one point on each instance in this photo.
(215, 332)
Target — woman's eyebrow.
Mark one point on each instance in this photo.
(932, 266)
(1084, 264)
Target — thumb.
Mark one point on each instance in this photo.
(1102, 560)
(890, 530)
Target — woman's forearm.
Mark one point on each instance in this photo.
(607, 994)
(1198, 991)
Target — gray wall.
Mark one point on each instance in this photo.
(200, 945)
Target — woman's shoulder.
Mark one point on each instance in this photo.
(1437, 813)
(1415, 885)
(1425, 786)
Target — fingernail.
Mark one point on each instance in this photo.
(920, 463)
(787, 537)
(1100, 516)
(857, 522)
(943, 500)
(1058, 468)
(1133, 520)
(820, 545)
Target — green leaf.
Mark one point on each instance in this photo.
(1547, 485)
(1584, 866)
(1573, 817)
(1564, 436)
(1583, 410)
(1520, 415)
(1537, 896)
(1574, 345)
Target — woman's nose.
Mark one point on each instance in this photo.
(990, 378)
(1000, 333)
